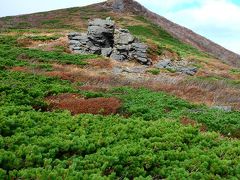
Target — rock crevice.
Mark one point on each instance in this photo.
(103, 38)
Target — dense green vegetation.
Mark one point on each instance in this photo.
(148, 105)
(47, 145)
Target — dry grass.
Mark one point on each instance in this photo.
(97, 78)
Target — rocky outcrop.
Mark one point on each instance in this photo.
(178, 66)
(104, 39)
(179, 32)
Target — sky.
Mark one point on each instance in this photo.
(218, 20)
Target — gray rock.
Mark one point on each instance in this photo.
(102, 38)
(80, 52)
(118, 57)
(139, 54)
(106, 51)
(105, 23)
(140, 46)
(117, 70)
(123, 47)
(95, 50)
(76, 48)
(142, 60)
(73, 34)
(167, 63)
(118, 5)
(123, 37)
(177, 66)
(187, 70)
(223, 108)
(74, 42)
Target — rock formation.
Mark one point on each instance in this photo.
(104, 39)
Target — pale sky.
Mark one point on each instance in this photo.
(218, 20)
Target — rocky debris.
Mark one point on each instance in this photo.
(166, 63)
(223, 108)
(104, 39)
(187, 70)
(178, 66)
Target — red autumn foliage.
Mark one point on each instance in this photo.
(79, 105)
(19, 69)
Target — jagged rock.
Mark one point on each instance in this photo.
(117, 5)
(106, 51)
(74, 42)
(73, 34)
(119, 57)
(101, 32)
(139, 53)
(123, 37)
(102, 38)
(95, 50)
(164, 64)
(187, 70)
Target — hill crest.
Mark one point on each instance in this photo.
(182, 33)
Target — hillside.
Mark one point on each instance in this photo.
(85, 116)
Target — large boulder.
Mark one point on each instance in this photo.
(102, 38)
(123, 37)
(101, 32)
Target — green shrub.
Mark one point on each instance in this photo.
(89, 94)
(44, 38)
(154, 71)
(235, 71)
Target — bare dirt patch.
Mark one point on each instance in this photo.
(79, 105)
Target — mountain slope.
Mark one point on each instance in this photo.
(75, 116)
(176, 30)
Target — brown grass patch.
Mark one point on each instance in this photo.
(93, 88)
(62, 75)
(25, 42)
(100, 63)
(19, 69)
(79, 105)
(186, 121)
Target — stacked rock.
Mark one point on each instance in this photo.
(103, 39)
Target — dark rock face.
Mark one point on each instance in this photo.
(102, 38)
